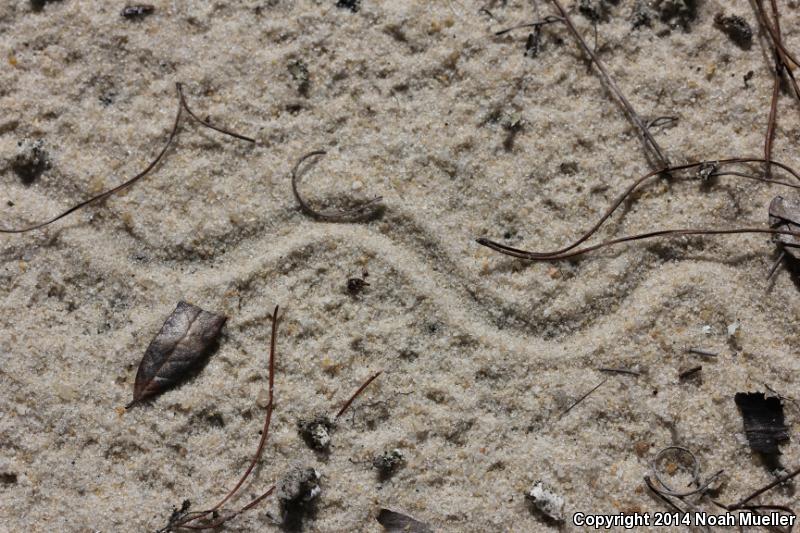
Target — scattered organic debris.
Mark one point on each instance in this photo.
(763, 421)
(213, 518)
(686, 374)
(316, 432)
(297, 494)
(359, 213)
(176, 516)
(356, 285)
(736, 28)
(138, 11)
(783, 61)
(568, 251)
(785, 215)
(579, 400)
(653, 149)
(702, 351)
(546, 502)
(670, 496)
(677, 13)
(182, 105)
(299, 72)
(185, 339)
(31, 160)
(396, 522)
(388, 462)
(352, 5)
(38, 5)
(742, 504)
(213, 513)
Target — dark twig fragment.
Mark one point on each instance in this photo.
(649, 141)
(690, 372)
(183, 343)
(619, 371)
(362, 212)
(579, 400)
(702, 351)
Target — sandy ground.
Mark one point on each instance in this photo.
(464, 136)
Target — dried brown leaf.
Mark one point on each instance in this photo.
(185, 339)
(394, 522)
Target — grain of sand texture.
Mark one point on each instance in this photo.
(464, 136)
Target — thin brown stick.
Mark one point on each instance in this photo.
(515, 252)
(207, 124)
(537, 24)
(579, 400)
(103, 195)
(648, 139)
(764, 489)
(359, 213)
(619, 371)
(355, 395)
(261, 444)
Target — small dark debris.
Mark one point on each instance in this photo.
(297, 493)
(138, 11)
(388, 462)
(690, 372)
(736, 28)
(352, 5)
(8, 478)
(38, 5)
(569, 168)
(747, 77)
(706, 170)
(299, 73)
(763, 421)
(176, 516)
(594, 10)
(31, 160)
(395, 522)
(677, 13)
(316, 432)
(10, 203)
(356, 285)
(534, 43)
(643, 14)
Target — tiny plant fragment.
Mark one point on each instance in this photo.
(396, 522)
(763, 421)
(188, 335)
(138, 11)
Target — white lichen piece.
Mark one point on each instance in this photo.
(546, 502)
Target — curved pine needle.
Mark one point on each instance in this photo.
(259, 450)
(206, 124)
(103, 195)
(359, 213)
(562, 253)
(533, 256)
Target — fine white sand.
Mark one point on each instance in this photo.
(464, 137)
